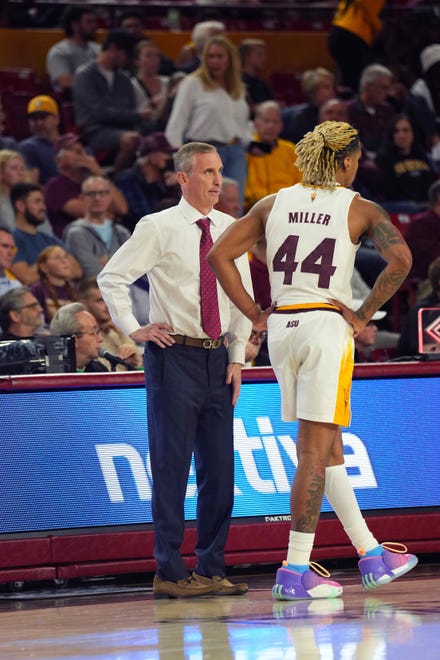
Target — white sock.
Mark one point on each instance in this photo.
(340, 494)
(300, 548)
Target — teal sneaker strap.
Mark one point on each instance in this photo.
(296, 567)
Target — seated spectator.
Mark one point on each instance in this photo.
(422, 117)
(423, 235)
(405, 167)
(63, 192)
(229, 198)
(6, 142)
(428, 84)
(375, 344)
(334, 109)
(74, 319)
(150, 185)
(20, 314)
(260, 273)
(159, 102)
(77, 48)
(133, 21)
(43, 117)
(12, 170)
(368, 261)
(408, 342)
(428, 88)
(30, 214)
(359, 289)
(94, 238)
(104, 101)
(56, 286)
(256, 353)
(270, 160)
(114, 340)
(253, 56)
(365, 342)
(371, 114)
(150, 88)
(190, 55)
(318, 86)
(7, 252)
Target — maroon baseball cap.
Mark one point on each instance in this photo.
(65, 141)
(155, 142)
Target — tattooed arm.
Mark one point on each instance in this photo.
(366, 216)
(235, 241)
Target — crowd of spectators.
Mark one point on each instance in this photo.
(69, 199)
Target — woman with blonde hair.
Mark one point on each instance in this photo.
(210, 106)
(55, 287)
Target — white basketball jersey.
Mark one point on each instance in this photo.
(310, 255)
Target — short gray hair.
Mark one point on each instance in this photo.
(267, 105)
(91, 178)
(312, 78)
(183, 158)
(65, 321)
(12, 300)
(372, 72)
(227, 181)
(203, 30)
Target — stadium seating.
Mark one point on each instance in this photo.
(15, 108)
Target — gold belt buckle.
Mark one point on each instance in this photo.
(211, 343)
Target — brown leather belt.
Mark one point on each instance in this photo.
(199, 343)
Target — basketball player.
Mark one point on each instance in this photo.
(312, 231)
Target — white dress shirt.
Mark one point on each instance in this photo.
(165, 246)
(206, 115)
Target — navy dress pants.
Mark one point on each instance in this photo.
(189, 410)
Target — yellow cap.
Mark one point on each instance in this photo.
(42, 104)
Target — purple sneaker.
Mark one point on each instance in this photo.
(384, 568)
(291, 585)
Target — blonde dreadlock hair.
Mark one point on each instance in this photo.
(321, 152)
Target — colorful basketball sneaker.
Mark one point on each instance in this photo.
(382, 569)
(291, 585)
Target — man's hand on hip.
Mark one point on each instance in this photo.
(159, 333)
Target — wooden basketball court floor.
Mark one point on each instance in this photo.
(107, 621)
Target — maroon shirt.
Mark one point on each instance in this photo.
(371, 127)
(423, 238)
(46, 300)
(260, 281)
(57, 192)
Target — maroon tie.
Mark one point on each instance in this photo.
(208, 285)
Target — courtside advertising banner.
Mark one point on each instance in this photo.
(74, 459)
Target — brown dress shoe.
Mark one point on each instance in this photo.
(221, 585)
(185, 588)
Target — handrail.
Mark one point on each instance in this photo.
(10, 384)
